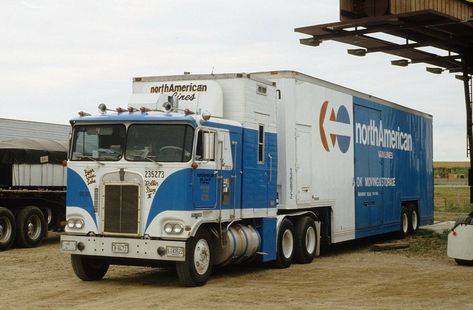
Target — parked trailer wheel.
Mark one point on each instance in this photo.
(414, 219)
(285, 253)
(88, 268)
(463, 219)
(405, 223)
(464, 262)
(305, 240)
(31, 227)
(7, 229)
(197, 268)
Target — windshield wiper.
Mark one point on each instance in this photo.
(152, 160)
(90, 157)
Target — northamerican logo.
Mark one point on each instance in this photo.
(342, 117)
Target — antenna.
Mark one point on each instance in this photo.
(213, 66)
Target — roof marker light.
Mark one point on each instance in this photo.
(121, 110)
(188, 112)
(143, 110)
(82, 114)
(131, 109)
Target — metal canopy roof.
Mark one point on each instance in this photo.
(419, 29)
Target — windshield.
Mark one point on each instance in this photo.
(98, 142)
(160, 143)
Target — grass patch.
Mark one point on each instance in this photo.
(426, 243)
(452, 199)
(452, 164)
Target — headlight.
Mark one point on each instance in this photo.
(177, 229)
(173, 228)
(75, 223)
(168, 228)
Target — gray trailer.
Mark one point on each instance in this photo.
(32, 190)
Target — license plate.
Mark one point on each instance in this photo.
(67, 245)
(174, 251)
(120, 247)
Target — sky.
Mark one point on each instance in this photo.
(59, 57)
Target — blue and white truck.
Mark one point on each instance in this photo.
(207, 170)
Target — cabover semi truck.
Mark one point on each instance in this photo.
(208, 170)
(32, 190)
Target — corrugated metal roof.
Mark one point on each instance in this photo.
(11, 128)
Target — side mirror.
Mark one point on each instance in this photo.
(208, 145)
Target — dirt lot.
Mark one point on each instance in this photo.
(346, 277)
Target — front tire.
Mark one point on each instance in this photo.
(285, 254)
(197, 268)
(305, 240)
(7, 229)
(31, 227)
(88, 268)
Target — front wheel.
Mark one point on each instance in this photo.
(31, 227)
(88, 268)
(197, 268)
(7, 229)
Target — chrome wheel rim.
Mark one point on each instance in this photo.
(202, 256)
(5, 229)
(310, 240)
(415, 220)
(405, 223)
(33, 227)
(287, 243)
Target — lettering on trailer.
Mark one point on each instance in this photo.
(375, 182)
(178, 90)
(373, 134)
(340, 117)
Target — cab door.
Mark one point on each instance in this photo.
(205, 189)
(226, 176)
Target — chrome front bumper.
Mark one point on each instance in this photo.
(124, 247)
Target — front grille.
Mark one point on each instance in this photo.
(121, 209)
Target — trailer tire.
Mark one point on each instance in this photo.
(7, 229)
(88, 268)
(285, 245)
(405, 223)
(31, 227)
(305, 240)
(197, 268)
(464, 262)
(414, 219)
(50, 218)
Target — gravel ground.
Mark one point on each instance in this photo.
(350, 276)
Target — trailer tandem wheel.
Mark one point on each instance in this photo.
(31, 227)
(88, 268)
(305, 240)
(405, 222)
(197, 268)
(7, 229)
(414, 218)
